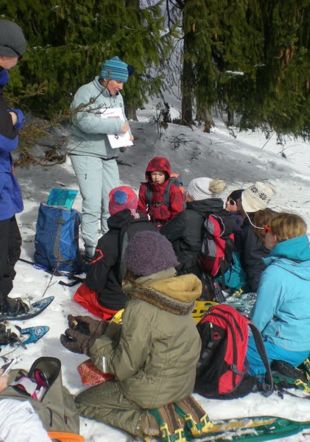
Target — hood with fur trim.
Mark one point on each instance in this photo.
(175, 295)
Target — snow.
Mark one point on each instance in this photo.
(240, 159)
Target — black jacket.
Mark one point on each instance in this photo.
(252, 253)
(106, 269)
(185, 232)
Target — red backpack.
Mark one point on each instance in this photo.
(217, 244)
(222, 371)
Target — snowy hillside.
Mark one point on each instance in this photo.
(240, 159)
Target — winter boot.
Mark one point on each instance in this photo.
(14, 306)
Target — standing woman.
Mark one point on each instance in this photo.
(93, 159)
(282, 308)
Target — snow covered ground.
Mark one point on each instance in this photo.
(240, 159)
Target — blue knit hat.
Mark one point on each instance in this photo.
(149, 252)
(114, 69)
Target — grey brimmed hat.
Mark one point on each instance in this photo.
(12, 39)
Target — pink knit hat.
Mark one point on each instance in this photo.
(121, 198)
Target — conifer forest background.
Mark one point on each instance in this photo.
(248, 59)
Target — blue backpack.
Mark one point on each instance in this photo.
(235, 276)
(57, 239)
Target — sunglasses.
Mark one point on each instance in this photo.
(231, 202)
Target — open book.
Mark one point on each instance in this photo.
(117, 140)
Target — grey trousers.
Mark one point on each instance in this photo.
(96, 178)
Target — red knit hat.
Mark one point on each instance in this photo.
(121, 198)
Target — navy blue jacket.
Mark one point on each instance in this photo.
(10, 193)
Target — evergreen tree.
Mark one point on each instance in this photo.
(279, 99)
(249, 57)
(68, 40)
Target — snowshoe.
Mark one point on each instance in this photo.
(34, 309)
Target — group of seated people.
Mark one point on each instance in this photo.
(148, 263)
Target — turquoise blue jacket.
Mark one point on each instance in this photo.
(89, 129)
(282, 308)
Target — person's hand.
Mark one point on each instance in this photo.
(125, 128)
(77, 342)
(14, 117)
(4, 379)
(18, 118)
(87, 325)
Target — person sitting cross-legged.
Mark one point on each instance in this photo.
(154, 352)
(102, 292)
(185, 230)
(282, 308)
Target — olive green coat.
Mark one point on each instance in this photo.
(154, 359)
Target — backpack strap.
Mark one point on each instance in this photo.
(167, 193)
(149, 195)
(267, 386)
(123, 243)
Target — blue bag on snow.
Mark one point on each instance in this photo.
(57, 239)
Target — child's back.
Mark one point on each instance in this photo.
(160, 197)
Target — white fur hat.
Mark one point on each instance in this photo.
(204, 187)
(257, 197)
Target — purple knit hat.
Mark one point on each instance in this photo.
(149, 252)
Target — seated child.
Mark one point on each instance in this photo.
(153, 354)
(232, 205)
(186, 229)
(251, 248)
(159, 197)
(282, 308)
(102, 292)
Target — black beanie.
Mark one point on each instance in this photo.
(12, 39)
(236, 194)
(149, 252)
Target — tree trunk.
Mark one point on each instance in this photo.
(131, 112)
(187, 81)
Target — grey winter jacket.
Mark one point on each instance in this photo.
(89, 129)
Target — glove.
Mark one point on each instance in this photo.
(77, 342)
(87, 325)
(20, 118)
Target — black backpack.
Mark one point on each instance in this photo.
(222, 371)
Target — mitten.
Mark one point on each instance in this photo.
(87, 325)
(20, 118)
(77, 342)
